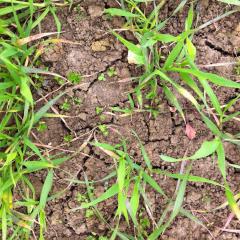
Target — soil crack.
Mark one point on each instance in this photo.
(220, 50)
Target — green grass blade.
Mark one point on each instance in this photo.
(207, 148)
(112, 191)
(221, 160)
(46, 189)
(120, 13)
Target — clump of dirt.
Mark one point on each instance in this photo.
(94, 54)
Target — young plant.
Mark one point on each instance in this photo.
(104, 130)
(111, 72)
(132, 182)
(19, 215)
(42, 126)
(180, 61)
(65, 106)
(74, 78)
(102, 77)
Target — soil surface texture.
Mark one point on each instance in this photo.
(95, 53)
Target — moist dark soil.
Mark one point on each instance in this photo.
(95, 53)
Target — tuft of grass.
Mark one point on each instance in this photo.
(196, 86)
(129, 190)
(20, 216)
(19, 155)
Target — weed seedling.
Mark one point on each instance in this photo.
(101, 77)
(77, 100)
(42, 126)
(89, 213)
(104, 130)
(68, 138)
(111, 72)
(65, 106)
(59, 80)
(74, 78)
(99, 110)
(81, 198)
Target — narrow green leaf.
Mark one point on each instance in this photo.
(212, 126)
(46, 189)
(134, 201)
(165, 38)
(192, 84)
(33, 147)
(191, 49)
(25, 89)
(130, 46)
(144, 153)
(232, 202)
(148, 179)
(45, 108)
(221, 160)
(119, 12)
(173, 100)
(207, 148)
(121, 172)
(33, 166)
(173, 55)
(212, 95)
(189, 20)
(191, 178)
(112, 191)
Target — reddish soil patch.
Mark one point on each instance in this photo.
(96, 53)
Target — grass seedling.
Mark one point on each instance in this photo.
(132, 181)
(181, 61)
(20, 215)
